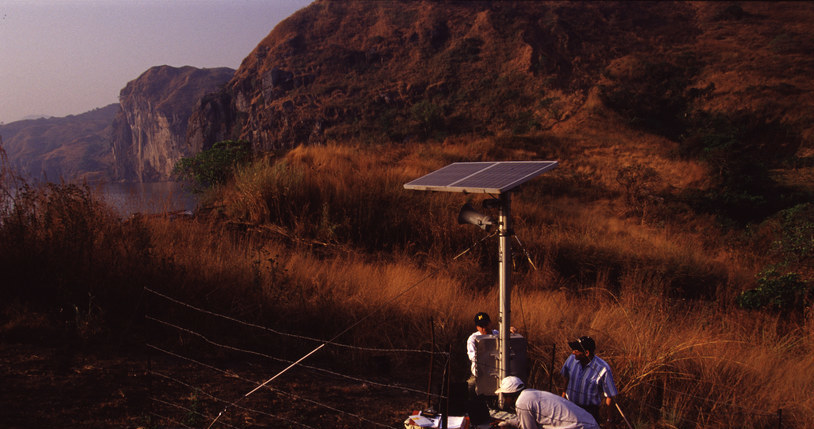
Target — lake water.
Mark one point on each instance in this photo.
(147, 198)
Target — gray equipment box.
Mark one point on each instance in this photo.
(486, 355)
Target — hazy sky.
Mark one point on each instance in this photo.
(65, 57)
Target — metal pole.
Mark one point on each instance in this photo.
(551, 368)
(630, 426)
(149, 358)
(505, 258)
(432, 358)
(446, 381)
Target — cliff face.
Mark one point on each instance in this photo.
(149, 133)
(407, 71)
(401, 71)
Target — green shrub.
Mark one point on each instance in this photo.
(213, 166)
(429, 119)
(781, 292)
(796, 243)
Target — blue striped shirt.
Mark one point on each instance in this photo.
(588, 385)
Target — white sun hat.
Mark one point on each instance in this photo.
(510, 384)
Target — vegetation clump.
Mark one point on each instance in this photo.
(214, 166)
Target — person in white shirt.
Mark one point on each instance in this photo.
(482, 327)
(537, 409)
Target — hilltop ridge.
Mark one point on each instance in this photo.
(396, 71)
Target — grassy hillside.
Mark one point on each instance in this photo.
(677, 231)
(316, 239)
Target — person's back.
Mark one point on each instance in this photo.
(537, 408)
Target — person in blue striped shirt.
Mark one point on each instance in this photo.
(588, 379)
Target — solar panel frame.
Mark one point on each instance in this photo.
(481, 177)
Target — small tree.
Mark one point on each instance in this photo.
(796, 241)
(213, 166)
(428, 118)
(780, 292)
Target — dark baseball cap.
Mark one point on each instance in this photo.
(583, 344)
(482, 319)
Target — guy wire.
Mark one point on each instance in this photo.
(335, 337)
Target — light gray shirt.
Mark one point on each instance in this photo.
(538, 409)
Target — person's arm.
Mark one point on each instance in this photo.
(513, 422)
(565, 388)
(606, 413)
(471, 351)
(609, 389)
(565, 377)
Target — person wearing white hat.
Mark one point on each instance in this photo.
(537, 409)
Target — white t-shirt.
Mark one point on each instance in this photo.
(471, 349)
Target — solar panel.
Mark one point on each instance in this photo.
(481, 177)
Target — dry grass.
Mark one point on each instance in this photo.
(325, 236)
(678, 363)
(710, 367)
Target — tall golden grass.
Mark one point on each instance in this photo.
(322, 237)
(659, 299)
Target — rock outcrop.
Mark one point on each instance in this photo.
(149, 133)
(402, 71)
(411, 71)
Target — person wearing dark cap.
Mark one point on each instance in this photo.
(482, 327)
(588, 378)
(535, 409)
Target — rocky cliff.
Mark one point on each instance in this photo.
(409, 71)
(149, 133)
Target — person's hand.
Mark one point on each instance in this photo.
(512, 329)
(504, 425)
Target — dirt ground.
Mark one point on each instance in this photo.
(61, 386)
(65, 385)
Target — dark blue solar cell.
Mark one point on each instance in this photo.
(481, 177)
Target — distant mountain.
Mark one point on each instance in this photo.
(76, 147)
(149, 132)
(35, 117)
(137, 140)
